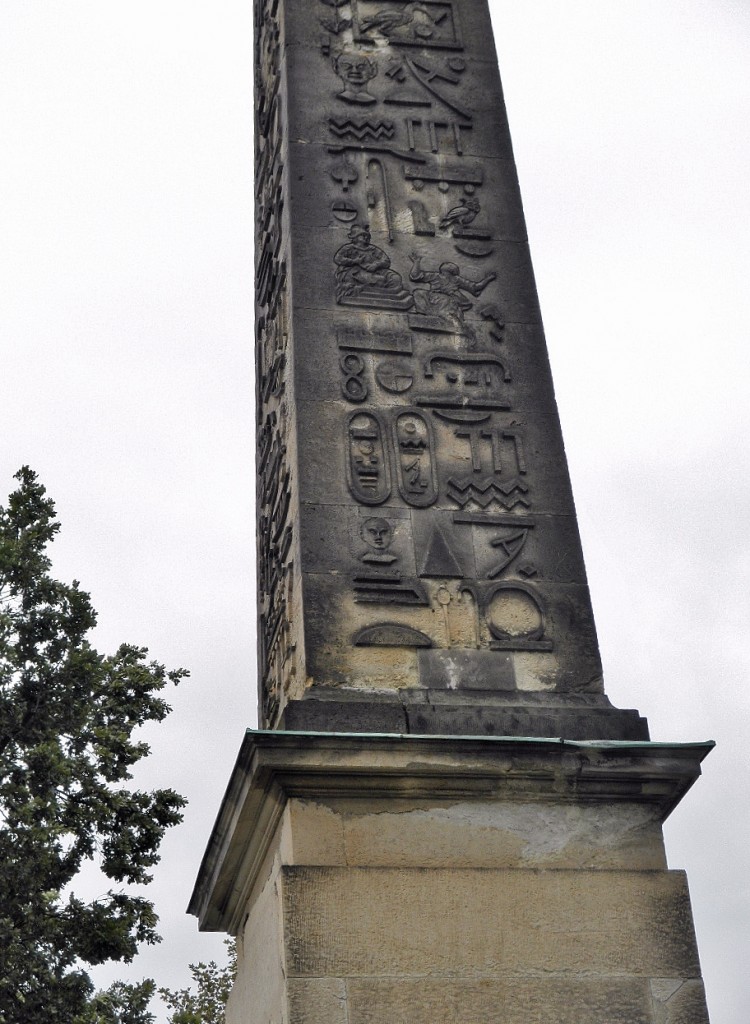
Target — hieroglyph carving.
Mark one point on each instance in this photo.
(424, 23)
(446, 296)
(275, 527)
(364, 276)
(356, 71)
(429, 396)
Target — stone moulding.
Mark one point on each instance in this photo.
(274, 767)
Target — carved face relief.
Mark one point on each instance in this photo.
(377, 533)
(355, 70)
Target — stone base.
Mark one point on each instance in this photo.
(442, 880)
(444, 712)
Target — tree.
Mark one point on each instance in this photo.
(206, 1005)
(120, 1004)
(67, 719)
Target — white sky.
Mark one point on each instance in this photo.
(126, 330)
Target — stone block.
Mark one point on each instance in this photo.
(318, 1001)
(459, 923)
(430, 1000)
(259, 994)
(679, 1001)
(474, 834)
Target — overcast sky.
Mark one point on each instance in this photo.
(126, 329)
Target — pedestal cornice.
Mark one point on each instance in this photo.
(274, 766)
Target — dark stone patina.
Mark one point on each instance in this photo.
(420, 564)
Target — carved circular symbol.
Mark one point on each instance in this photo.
(394, 377)
(457, 64)
(355, 389)
(513, 613)
(352, 363)
(353, 385)
(417, 184)
(344, 211)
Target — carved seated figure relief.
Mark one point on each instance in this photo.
(445, 296)
(364, 276)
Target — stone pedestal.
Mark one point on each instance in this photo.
(413, 845)
(438, 880)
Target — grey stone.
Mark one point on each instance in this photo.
(415, 493)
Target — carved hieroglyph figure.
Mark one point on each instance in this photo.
(413, 14)
(445, 296)
(364, 276)
(377, 533)
(461, 216)
(356, 71)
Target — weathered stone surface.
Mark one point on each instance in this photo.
(679, 1001)
(427, 833)
(407, 878)
(261, 942)
(466, 693)
(512, 1001)
(414, 489)
(318, 1001)
(480, 834)
(458, 923)
(599, 802)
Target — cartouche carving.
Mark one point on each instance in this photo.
(367, 463)
(415, 458)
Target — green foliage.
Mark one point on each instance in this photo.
(120, 1004)
(212, 987)
(67, 718)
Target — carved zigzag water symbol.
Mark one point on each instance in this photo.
(483, 493)
(361, 129)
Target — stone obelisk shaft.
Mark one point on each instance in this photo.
(417, 533)
(442, 818)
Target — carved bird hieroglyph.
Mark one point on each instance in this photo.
(388, 21)
(461, 216)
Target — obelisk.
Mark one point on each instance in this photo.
(440, 788)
